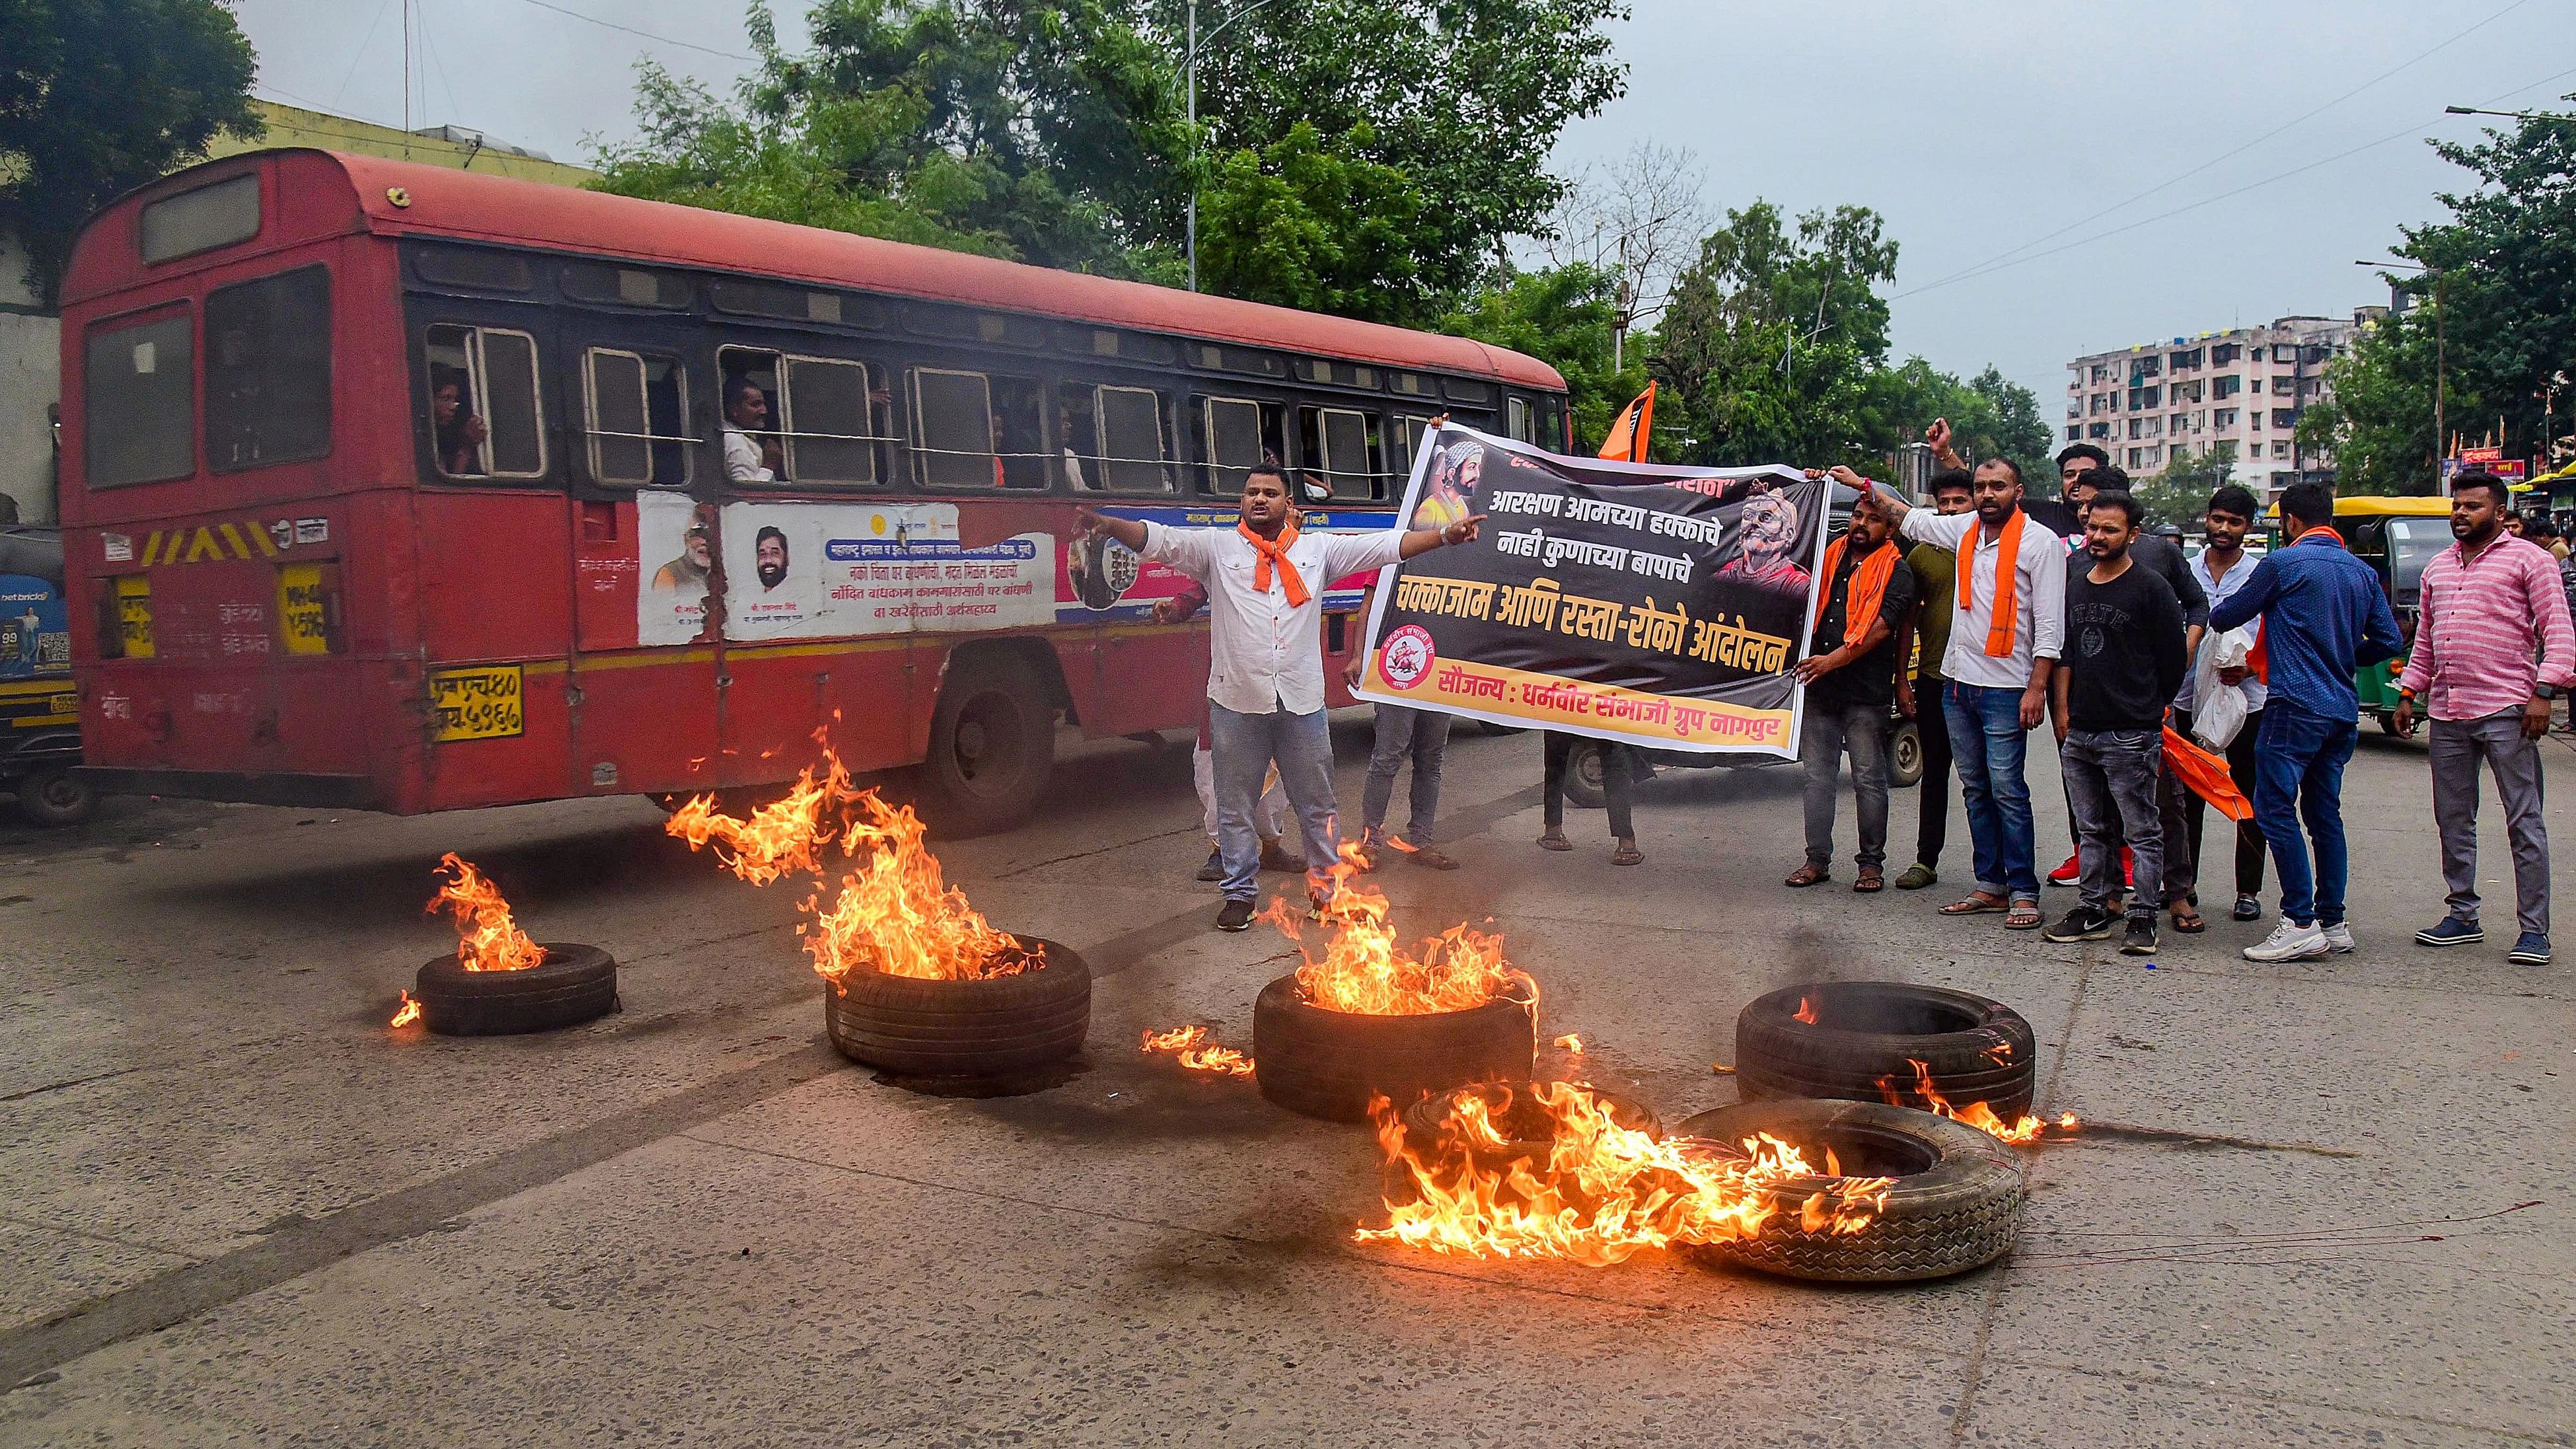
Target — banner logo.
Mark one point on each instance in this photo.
(1406, 656)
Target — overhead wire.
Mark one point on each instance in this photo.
(361, 52)
(645, 34)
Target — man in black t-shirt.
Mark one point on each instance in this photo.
(2124, 660)
(1850, 674)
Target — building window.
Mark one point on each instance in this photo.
(2137, 458)
(2280, 447)
(2222, 418)
(139, 403)
(2145, 397)
(2074, 431)
(2228, 386)
(486, 375)
(2224, 353)
(2097, 431)
(2285, 417)
(268, 370)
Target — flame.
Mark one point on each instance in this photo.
(1571, 1043)
(1925, 1097)
(1806, 1011)
(784, 836)
(1365, 971)
(487, 939)
(1606, 1192)
(1197, 1050)
(407, 1013)
(898, 915)
(2000, 1054)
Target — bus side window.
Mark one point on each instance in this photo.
(637, 418)
(1407, 432)
(1019, 432)
(1234, 434)
(829, 418)
(1336, 450)
(484, 404)
(739, 372)
(1130, 423)
(952, 429)
(268, 370)
(1516, 419)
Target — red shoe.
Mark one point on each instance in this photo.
(2128, 869)
(2068, 874)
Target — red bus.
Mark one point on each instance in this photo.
(403, 488)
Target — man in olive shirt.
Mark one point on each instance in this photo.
(1925, 639)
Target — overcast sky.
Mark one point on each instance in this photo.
(1983, 132)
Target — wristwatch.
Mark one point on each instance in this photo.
(2547, 691)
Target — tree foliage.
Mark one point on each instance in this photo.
(2377, 421)
(100, 96)
(1566, 316)
(2180, 494)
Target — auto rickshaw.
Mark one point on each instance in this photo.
(2396, 537)
(39, 709)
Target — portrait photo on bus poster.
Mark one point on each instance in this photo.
(1661, 606)
(675, 554)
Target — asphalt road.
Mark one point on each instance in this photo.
(239, 1210)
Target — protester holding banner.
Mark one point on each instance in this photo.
(1265, 583)
(2006, 627)
(1918, 697)
(1850, 674)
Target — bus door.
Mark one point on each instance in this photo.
(646, 539)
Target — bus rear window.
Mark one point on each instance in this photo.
(201, 220)
(139, 416)
(268, 370)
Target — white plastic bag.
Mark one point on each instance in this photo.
(2218, 710)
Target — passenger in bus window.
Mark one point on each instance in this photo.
(460, 432)
(1065, 427)
(747, 412)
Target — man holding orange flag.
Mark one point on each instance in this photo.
(1265, 581)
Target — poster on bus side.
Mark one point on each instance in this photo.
(1657, 606)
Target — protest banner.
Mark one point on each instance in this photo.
(1658, 606)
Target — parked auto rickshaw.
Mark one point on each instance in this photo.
(39, 712)
(2396, 537)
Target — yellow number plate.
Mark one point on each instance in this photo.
(476, 704)
(300, 616)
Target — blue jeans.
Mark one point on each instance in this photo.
(2298, 775)
(1243, 747)
(1988, 744)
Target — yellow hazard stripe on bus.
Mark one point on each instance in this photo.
(217, 541)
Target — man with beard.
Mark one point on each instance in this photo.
(1265, 583)
(2006, 622)
(1918, 698)
(2492, 606)
(1850, 674)
(1767, 546)
(2221, 569)
(769, 558)
(2124, 660)
(688, 573)
(746, 459)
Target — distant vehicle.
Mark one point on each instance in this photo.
(2396, 537)
(40, 746)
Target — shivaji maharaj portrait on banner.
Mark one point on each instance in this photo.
(1766, 546)
(1454, 475)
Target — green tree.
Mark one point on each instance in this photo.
(1301, 225)
(2377, 422)
(98, 97)
(1990, 415)
(1565, 316)
(2180, 494)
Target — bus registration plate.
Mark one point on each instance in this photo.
(476, 704)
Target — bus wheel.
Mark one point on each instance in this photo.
(992, 746)
(55, 796)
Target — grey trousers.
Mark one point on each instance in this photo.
(2111, 788)
(1862, 729)
(2458, 746)
(1422, 736)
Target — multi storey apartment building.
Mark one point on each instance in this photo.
(2156, 404)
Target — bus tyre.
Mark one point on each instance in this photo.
(573, 984)
(1864, 1033)
(992, 746)
(55, 796)
(1954, 1204)
(998, 1027)
(1329, 1064)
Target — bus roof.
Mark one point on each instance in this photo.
(442, 201)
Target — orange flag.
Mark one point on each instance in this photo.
(2206, 776)
(1628, 436)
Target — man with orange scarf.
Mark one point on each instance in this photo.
(2006, 624)
(1850, 674)
(1265, 580)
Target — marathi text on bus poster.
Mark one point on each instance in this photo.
(836, 570)
(1657, 606)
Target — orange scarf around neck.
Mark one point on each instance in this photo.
(1867, 590)
(1276, 553)
(1999, 633)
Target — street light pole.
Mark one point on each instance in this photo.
(1192, 67)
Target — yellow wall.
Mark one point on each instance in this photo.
(290, 126)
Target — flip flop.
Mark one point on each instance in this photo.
(1974, 906)
(1626, 855)
(2188, 920)
(2024, 916)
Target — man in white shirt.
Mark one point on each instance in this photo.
(1265, 581)
(1997, 669)
(747, 412)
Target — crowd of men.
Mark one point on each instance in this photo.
(2169, 682)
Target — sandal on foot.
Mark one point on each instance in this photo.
(1626, 854)
(1555, 840)
(2187, 919)
(1976, 905)
(1871, 878)
(1807, 875)
(2024, 916)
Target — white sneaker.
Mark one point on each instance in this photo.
(2338, 938)
(2290, 941)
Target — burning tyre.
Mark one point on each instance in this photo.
(1326, 1063)
(1952, 1201)
(1016, 1021)
(1508, 1123)
(1876, 1041)
(573, 984)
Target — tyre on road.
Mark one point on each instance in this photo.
(992, 746)
(1329, 1064)
(995, 1027)
(1527, 1130)
(55, 796)
(575, 983)
(1955, 1203)
(1863, 1032)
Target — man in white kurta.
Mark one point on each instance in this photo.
(1265, 580)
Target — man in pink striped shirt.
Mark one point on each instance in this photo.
(2493, 647)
